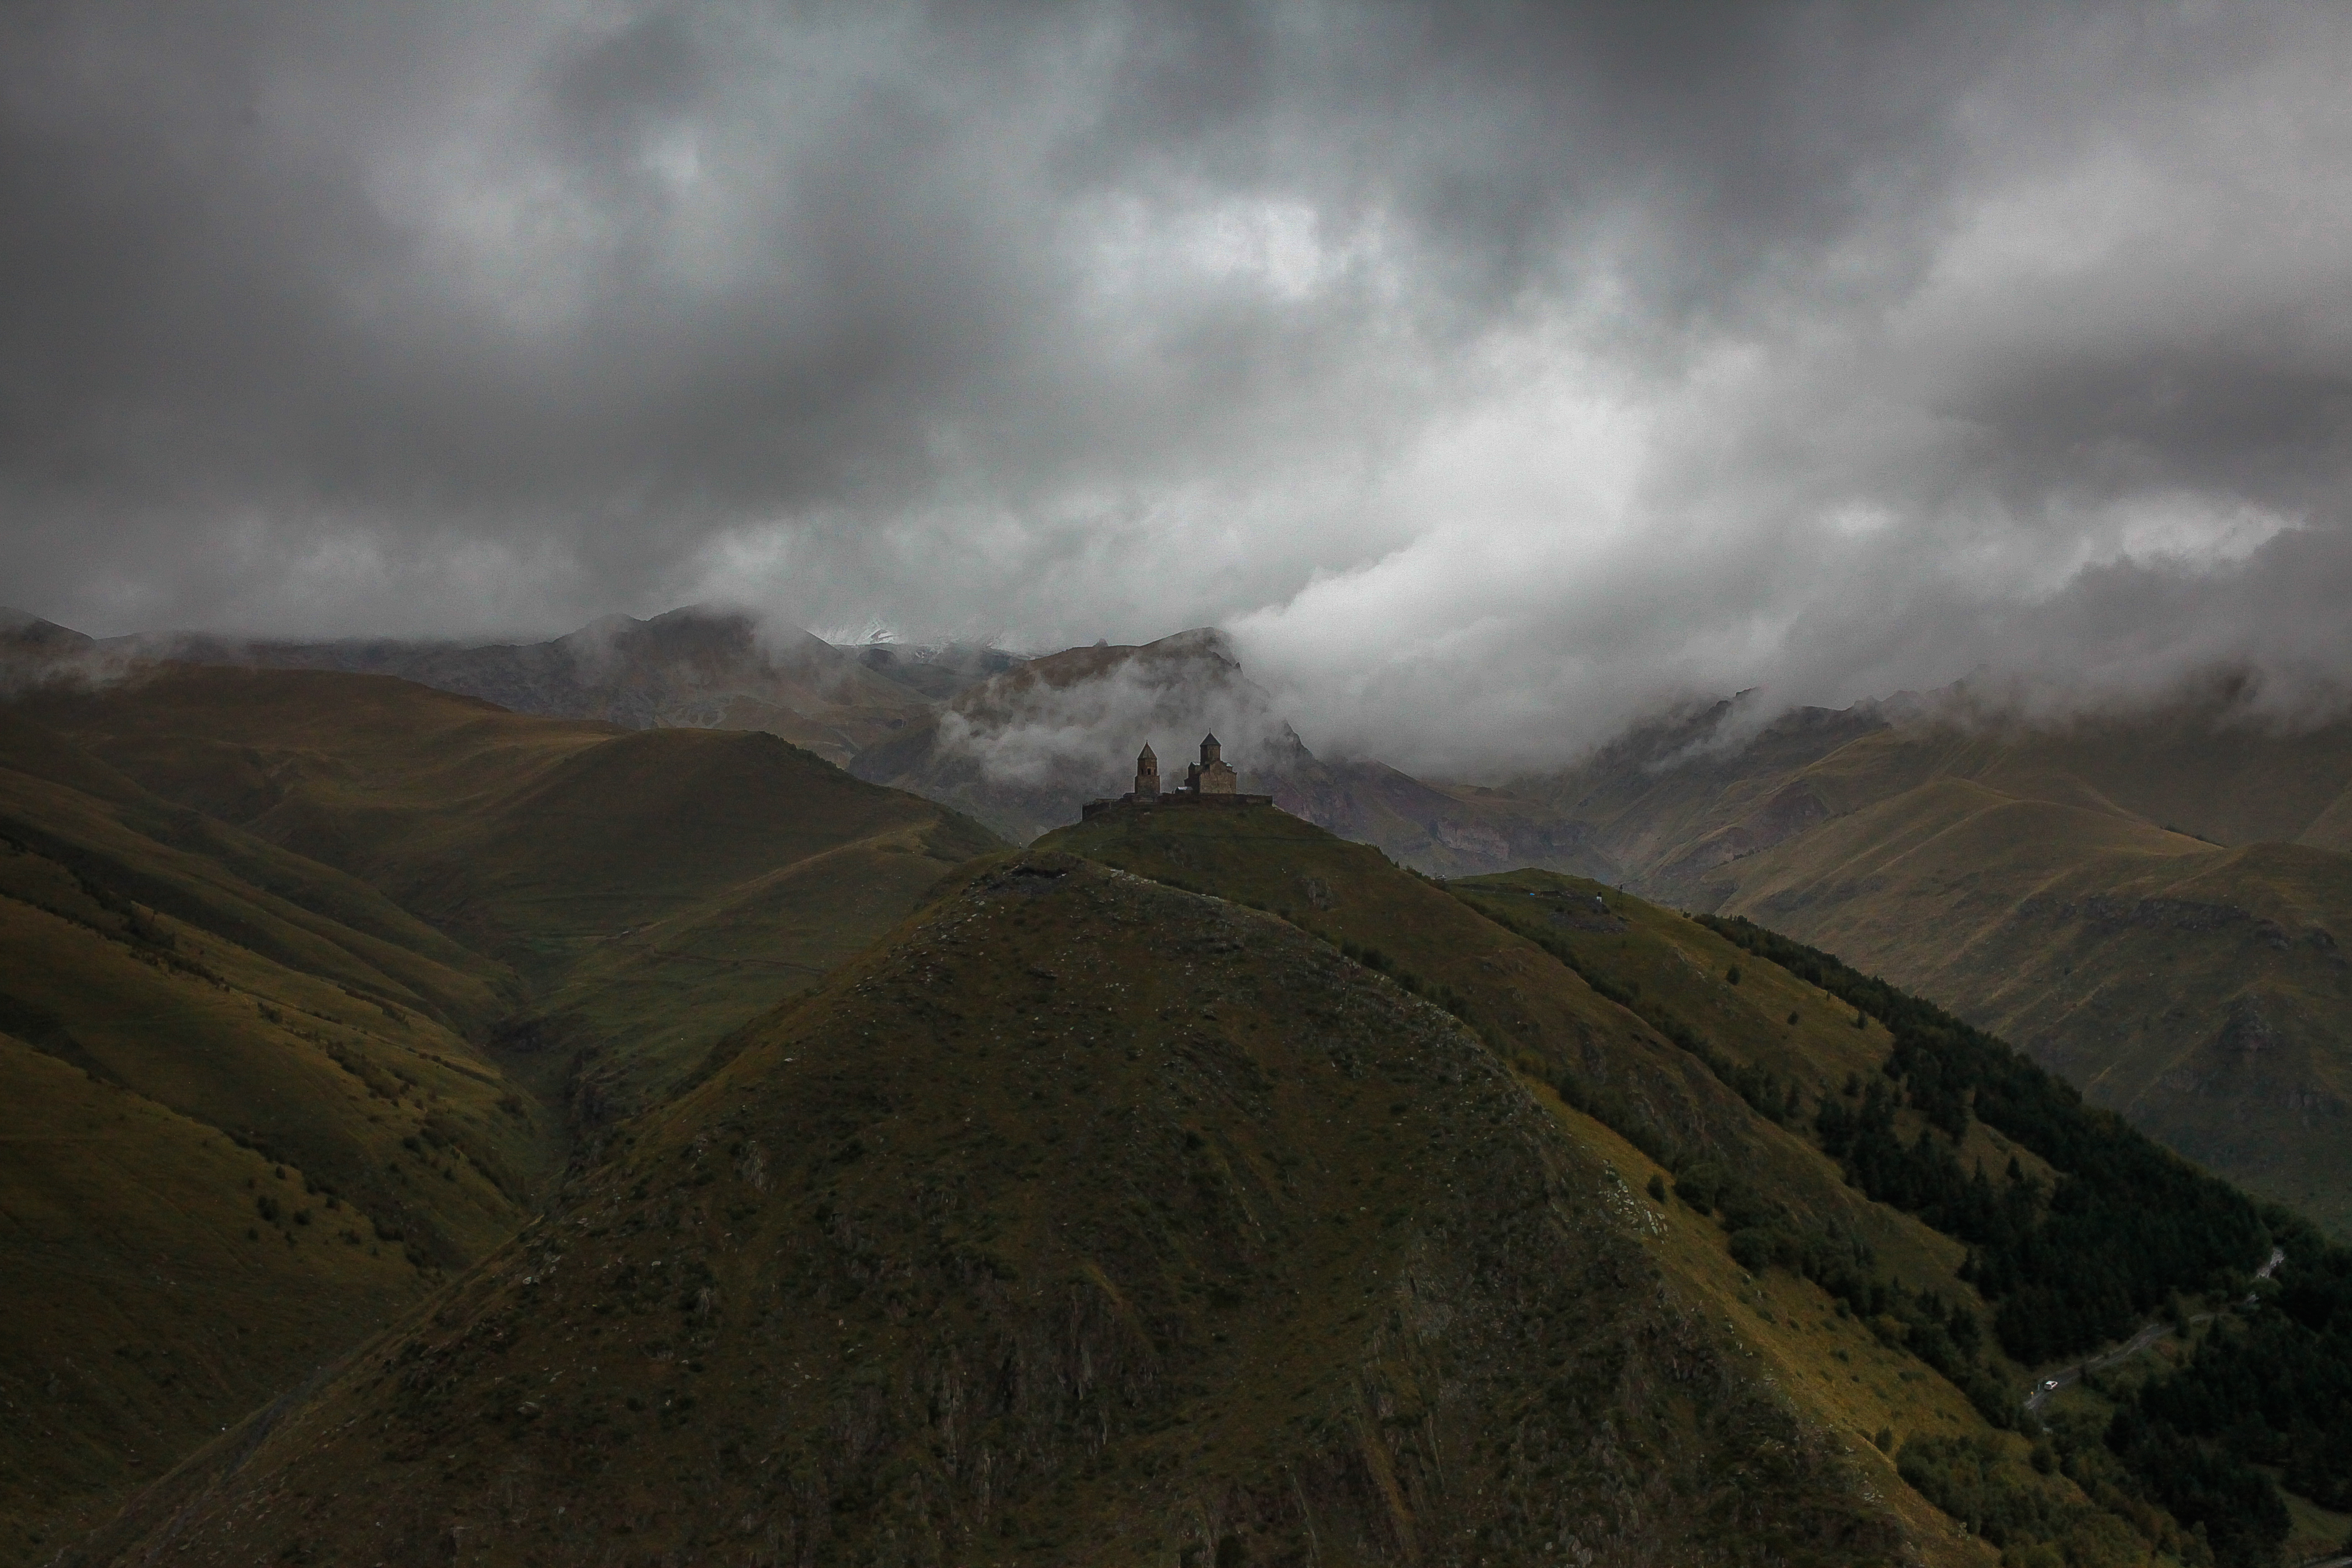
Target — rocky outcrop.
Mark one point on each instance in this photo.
(2246, 1031)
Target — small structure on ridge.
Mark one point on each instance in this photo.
(1211, 780)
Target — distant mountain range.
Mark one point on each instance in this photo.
(1020, 743)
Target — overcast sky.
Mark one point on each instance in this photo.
(1492, 372)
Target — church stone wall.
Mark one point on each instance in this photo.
(1211, 780)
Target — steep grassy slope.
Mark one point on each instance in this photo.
(641, 1011)
(2264, 1403)
(214, 1037)
(137, 948)
(150, 1300)
(650, 889)
(2152, 905)
(367, 1105)
(2201, 991)
(1649, 798)
(1535, 1010)
(1671, 801)
(398, 944)
(1713, 1066)
(1093, 1220)
(121, 843)
(1089, 1222)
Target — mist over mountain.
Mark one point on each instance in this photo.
(1495, 376)
(1020, 743)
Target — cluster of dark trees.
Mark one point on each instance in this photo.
(2245, 1519)
(2124, 1228)
(1923, 1176)
(2126, 1225)
(2276, 1389)
(1970, 1479)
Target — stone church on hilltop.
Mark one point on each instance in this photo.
(1211, 780)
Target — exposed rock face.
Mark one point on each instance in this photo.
(939, 671)
(1024, 752)
(2247, 1031)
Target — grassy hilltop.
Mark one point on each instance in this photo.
(309, 982)
(1096, 1215)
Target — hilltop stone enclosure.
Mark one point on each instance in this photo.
(1211, 780)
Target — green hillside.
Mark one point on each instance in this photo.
(150, 1299)
(1196, 1182)
(2038, 1284)
(645, 890)
(2152, 904)
(265, 995)
(402, 946)
(1089, 1221)
(2198, 990)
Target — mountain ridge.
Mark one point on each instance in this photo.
(698, 666)
(1181, 1341)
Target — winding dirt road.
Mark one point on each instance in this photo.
(2149, 1334)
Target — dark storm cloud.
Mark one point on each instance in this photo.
(363, 259)
(1493, 370)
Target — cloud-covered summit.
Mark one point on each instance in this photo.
(1492, 371)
